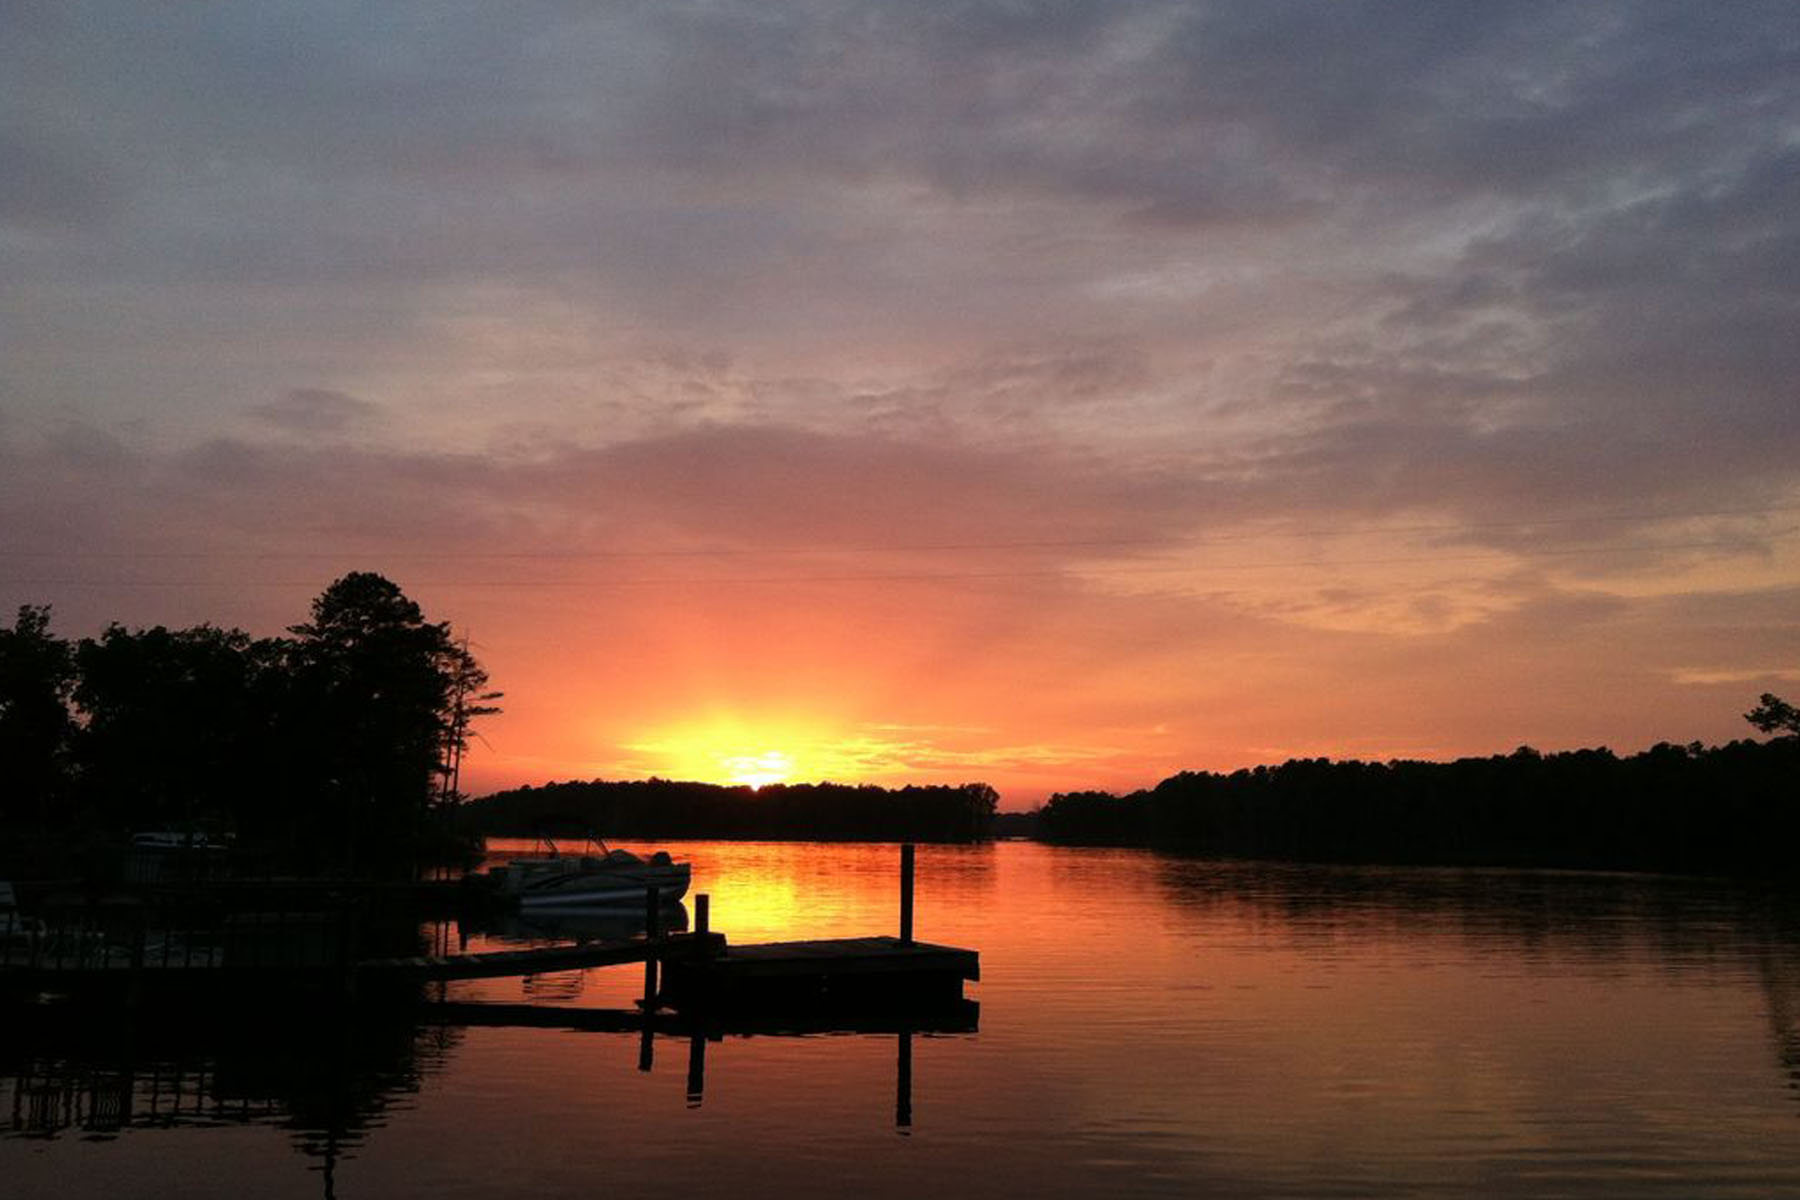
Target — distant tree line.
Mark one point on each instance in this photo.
(330, 749)
(661, 808)
(1732, 808)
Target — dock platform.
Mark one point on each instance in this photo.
(700, 971)
(863, 972)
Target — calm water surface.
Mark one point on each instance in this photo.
(1148, 1026)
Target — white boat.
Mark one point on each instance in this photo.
(169, 839)
(160, 855)
(610, 878)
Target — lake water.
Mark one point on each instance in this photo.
(1149, 1026)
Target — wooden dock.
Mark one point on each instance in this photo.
(541, 960)
(123, 949)
(856, 972)
(105, 965)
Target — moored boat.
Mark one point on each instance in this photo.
(610, 878)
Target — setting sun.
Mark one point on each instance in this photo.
(733, 751)
(758, 769)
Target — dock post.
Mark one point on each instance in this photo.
(906, 893)
(652, 934)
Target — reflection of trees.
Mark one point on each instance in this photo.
(1778, 969)
(1685, 923)
(327, 1077)
(1780, 983)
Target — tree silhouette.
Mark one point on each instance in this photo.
(467, 702)
(383, 696)
(180, 726)
(36, 674)
(1775, 715)
(662, 808)
(1668, 808)
(327, 749)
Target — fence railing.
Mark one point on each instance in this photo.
(151, 936)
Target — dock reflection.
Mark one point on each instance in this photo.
(531, 927)
(333, 1078)
(962, 1018)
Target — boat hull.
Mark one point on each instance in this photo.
(578, 889)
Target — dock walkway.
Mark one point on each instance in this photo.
(700, 971)
(540, 960)
(835, 971)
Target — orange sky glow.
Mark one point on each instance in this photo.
(1049, 683)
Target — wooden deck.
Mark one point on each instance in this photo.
(295, 937)
(693, 963)
(860, 972)
(107, 966)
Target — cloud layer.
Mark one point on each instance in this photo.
(1057, 373)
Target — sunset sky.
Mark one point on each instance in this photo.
(1052, 394)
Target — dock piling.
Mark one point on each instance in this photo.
(652, 932)
(906, 893)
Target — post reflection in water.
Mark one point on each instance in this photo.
(647, 1046)
(903, 1082)
(696, 1073)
